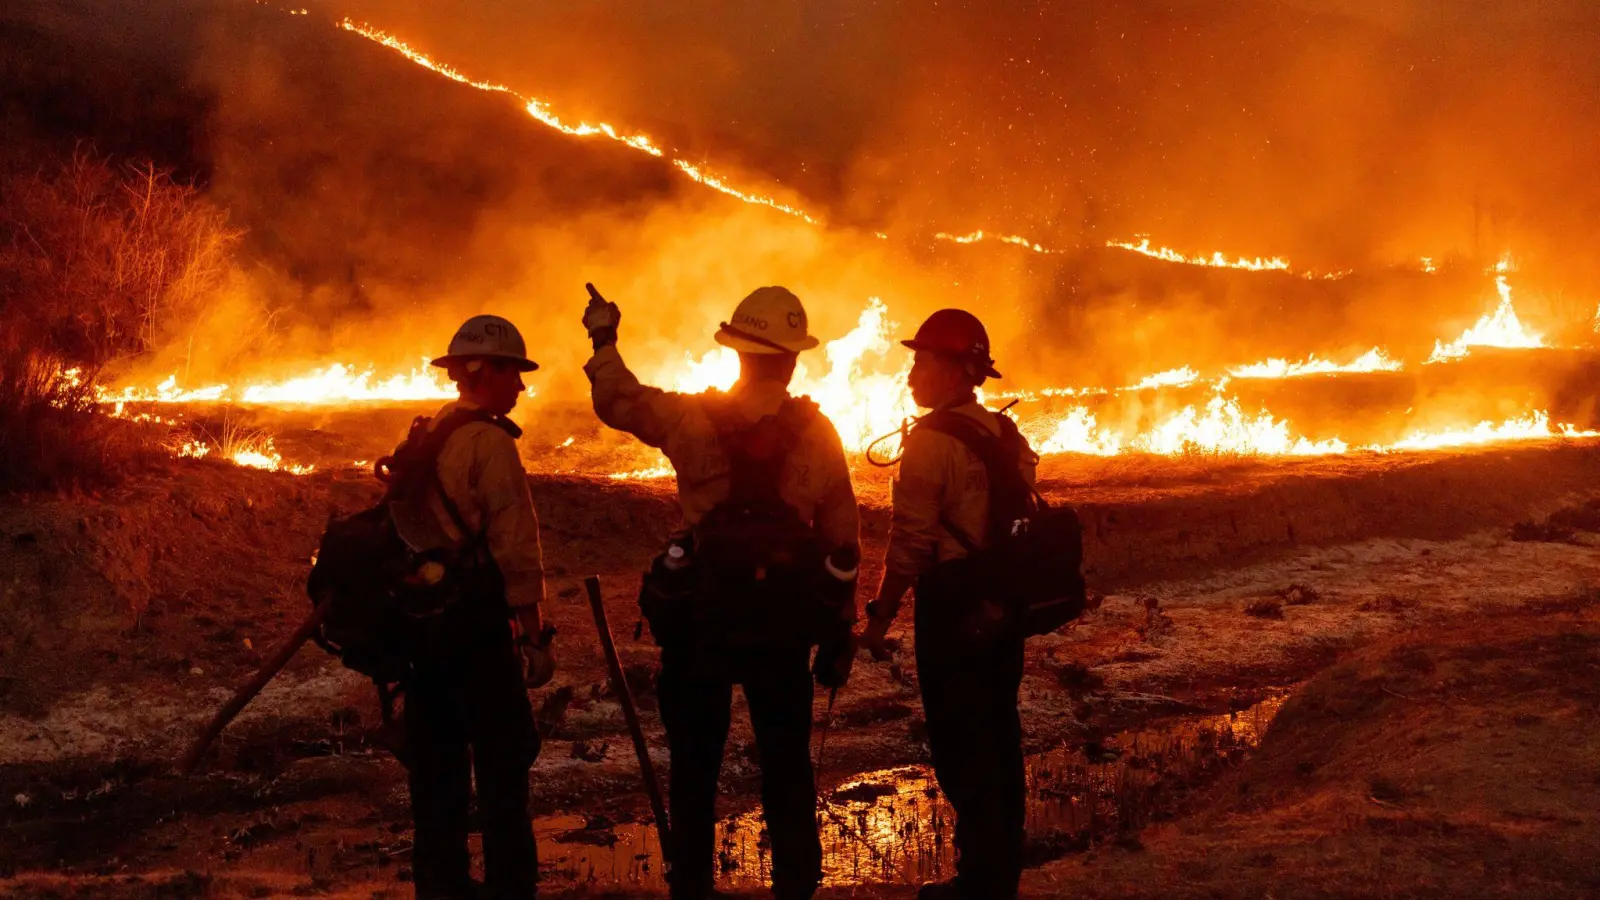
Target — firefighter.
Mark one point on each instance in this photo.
(740, 618)
(969, 663)
(467, 712)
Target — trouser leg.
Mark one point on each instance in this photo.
(505, 744)
(696, 708)
(975, 734)
(778, 689)
(440, 781)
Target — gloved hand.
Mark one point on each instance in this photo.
(601, 318)
(534, 641)
(875, 638)
(539, 664)
(834, 661)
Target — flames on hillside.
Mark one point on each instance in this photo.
(859, 381)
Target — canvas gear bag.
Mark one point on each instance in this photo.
(385, 594)
(756, 562)
(1031, 561)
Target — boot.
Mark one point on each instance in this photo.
(942, 890)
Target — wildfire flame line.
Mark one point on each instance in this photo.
(540, 110)
(1374, 360)
(333, 384)
(980, 235)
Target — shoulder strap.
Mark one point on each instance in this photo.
(999, 455)
(433, 445)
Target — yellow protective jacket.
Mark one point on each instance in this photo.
(481, 471)
(940, 478)
(816, 476)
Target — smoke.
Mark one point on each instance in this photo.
(1341, 134)
(384, 203)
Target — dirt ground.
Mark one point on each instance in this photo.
(129, 617)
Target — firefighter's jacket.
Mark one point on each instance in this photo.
(815, 479)
(480, 469)
(940, 478)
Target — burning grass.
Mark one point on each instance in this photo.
(50, 436)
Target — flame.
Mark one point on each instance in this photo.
(422, 59)
(1500, 328)
(716, 183)
(1077, 432)
(541, 111)
(1221, 427)
(1182, 377)
(340, 383)
(980, 235)
(1374, 360)
(662, 469)
(264, 455)
(1534, 426)
(252, 453)
(334, 384)
(166, 391)
(1428, 266)
(1215, 260)
(1218, 427)
(1224, 428)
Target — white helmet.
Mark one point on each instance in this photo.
(488, 337)
(770, 320)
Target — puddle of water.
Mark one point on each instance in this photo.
(894, 826)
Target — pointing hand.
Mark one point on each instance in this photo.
(601, 318)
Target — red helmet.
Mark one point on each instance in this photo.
(957, 334)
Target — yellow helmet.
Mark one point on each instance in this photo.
(770, 320)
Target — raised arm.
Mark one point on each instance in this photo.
(620, 400)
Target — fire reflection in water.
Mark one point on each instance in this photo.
(893, 826)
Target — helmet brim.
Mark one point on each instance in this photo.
(987, 370)
(523, 364)
(734, 342)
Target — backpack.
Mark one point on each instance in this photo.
(384, 593)
(1032, 559)
(756, 561)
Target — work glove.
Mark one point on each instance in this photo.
(876, 638)
(535, 641)
(834, 660)
(601, 318)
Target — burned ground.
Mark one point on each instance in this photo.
(132, 614)
(1456, 761)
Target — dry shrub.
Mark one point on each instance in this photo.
(50, 435)
(99, 261)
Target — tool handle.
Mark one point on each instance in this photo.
(242, 697)
(619, 684)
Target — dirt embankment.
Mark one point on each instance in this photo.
(1458, 762)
